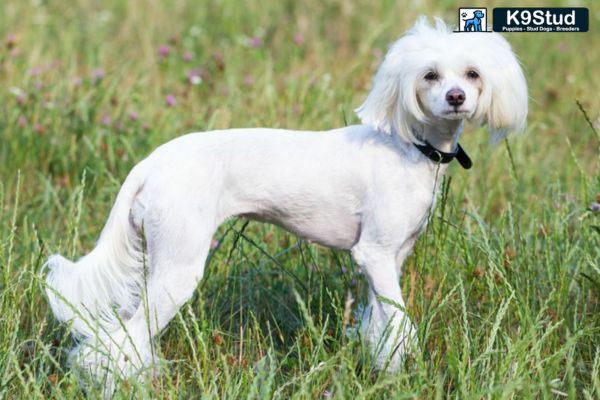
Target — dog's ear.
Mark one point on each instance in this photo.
(503, 101)
(392, 105)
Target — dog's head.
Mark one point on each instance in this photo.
(432, 74)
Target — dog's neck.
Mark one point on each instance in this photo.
(443, 135)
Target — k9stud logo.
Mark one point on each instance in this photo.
(541, 19)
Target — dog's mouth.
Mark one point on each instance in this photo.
(456, 113)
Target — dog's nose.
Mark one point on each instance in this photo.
(455, 97)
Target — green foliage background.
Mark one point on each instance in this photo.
(505, 283)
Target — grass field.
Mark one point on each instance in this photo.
(504, 284)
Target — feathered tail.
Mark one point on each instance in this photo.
(104, 285)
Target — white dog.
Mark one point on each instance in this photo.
(366, 188)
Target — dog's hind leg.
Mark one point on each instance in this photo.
(177, 246)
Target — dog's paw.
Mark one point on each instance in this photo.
(398, 348)
(103, 361)
(391, 341)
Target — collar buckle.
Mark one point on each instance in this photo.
(440, 157)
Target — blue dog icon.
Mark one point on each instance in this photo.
(474, 24)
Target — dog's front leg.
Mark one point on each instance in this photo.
(385, 323)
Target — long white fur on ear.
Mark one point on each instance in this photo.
(507, 92)
(380, 104)
(392, 104)
(508, 111)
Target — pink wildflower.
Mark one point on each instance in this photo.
(299, 39)
(105, 120)
(97, 75)
(170, 100)
(163, 51)
(256, 42)
(248, 80)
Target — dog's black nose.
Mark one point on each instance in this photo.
(455, 97)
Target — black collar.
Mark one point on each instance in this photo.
(440, 157)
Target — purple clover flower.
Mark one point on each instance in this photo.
(39, 129)
(171, 100)
(299, 39)
(97, 75)
(22, 121)
(105, 120)
(163, 51)
(256, 42)
(248, 80)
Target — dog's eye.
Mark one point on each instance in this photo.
(472, 74)
(431, 76)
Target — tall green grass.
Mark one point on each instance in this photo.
(504, 284)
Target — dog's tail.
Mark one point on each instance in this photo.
(104, 286)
